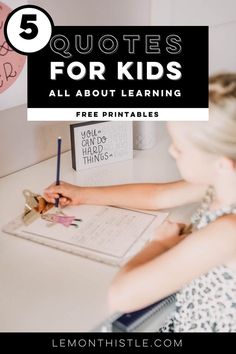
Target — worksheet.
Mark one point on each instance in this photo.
(106, 234)
(106, 230)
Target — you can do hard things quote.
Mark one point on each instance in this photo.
(97, 144)
(93, 144)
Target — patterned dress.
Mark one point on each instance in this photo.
(208, 303)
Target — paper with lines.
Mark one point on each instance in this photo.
(104, 231)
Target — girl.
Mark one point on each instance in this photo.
(198, 264)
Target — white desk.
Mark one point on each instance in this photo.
(43, 289)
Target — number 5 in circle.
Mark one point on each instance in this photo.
(36, 24)
(27, 23)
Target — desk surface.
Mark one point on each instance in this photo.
(43, 289)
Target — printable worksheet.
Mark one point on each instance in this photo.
(108, 231)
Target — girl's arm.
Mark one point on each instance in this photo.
(140, 196)
(139, 284)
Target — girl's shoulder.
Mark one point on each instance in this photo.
(222, 231)
(223, 223)
(228, 222)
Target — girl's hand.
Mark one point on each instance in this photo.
(69, 194)
(170, 233)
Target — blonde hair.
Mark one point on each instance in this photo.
(218, 135)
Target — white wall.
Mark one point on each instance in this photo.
(23, 143)
(97, 12)
(220, 15)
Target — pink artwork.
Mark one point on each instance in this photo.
(11, 63)
(65, 220)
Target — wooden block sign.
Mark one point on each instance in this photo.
(100, 143)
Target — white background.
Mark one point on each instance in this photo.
(23, 143)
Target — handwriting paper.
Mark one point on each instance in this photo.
(106, 230)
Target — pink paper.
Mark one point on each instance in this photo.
(11, 63)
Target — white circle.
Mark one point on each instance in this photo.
(14, 30)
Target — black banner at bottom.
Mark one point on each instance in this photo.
(115, 342)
